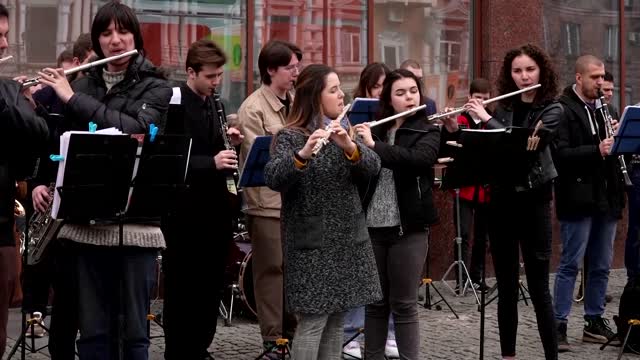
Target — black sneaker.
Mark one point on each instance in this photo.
(597, 330)
(563, 343)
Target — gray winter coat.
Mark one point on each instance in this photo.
(329, 262)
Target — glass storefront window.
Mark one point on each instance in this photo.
(436, 34)
(579, 27)
(168, 28)
(333, 32)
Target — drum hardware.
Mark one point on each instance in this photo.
(239, 279)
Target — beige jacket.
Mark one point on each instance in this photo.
(260, 114)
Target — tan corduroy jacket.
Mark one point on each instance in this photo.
(260, 114)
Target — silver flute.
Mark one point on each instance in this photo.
(450, 112)
(36, 80)
(325, 140)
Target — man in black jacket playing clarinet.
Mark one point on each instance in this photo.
(198, 242)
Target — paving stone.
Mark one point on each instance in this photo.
(442, 335)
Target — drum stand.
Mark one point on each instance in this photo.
(462, 268)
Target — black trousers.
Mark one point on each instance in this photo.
(478, 215)
(197, 253)
(523, 220)
(57, 269)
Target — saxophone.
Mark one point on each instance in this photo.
(42, 229)
(232, 179)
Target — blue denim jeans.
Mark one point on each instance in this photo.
(596, 233)
(100, 270)
(632, 245)
(354, 320)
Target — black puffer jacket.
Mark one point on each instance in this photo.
(22, 134)
(587, 183)
(411, 158)
(142, 98)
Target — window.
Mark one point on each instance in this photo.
(450, 54)
(564, 40)
(572, 39)
(351, 48)
(168, 28)
(327, 31)
(611, 43)
(436, 34)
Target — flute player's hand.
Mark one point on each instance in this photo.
(58, 81)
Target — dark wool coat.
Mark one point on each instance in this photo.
(329, 262)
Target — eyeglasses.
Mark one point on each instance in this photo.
(293, 67)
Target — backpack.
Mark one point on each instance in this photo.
(629, 309)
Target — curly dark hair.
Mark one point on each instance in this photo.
(548, 75)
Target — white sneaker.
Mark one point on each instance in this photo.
(352, 351)
(391, 350)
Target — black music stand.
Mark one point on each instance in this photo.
(363, 110)
(481, 160)
(627, 140)
(252, 174)
(99, 181)
(159, 180)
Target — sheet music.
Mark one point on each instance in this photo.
(64, 147)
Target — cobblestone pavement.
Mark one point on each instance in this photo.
(442, 335)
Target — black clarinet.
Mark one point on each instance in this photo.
(606, 115)
(232, 179)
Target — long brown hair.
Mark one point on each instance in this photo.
(306, 112)
(369, 78)
(548, 75)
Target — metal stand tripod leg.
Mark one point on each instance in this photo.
(22, 339)
(428, 282)
(462, 268)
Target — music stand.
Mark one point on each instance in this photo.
(99, 179)
(627, 140)
(252, 174)
(363, 110)
(481, 160)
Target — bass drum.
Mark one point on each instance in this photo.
(245, 285)
(239, 277)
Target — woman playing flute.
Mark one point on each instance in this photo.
(330, 266)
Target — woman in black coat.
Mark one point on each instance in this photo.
(520, 208)
(399, 205)
(129, 94)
